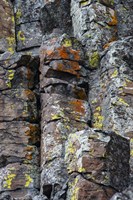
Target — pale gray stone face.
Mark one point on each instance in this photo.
(66, 99)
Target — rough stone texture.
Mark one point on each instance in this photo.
(125, 195)
(7, 27)
(95, 25)
(77, 91)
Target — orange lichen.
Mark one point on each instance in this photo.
(113, 21)
(62, 51)
(33, 132)
(77, 106)
(29, 148)
(29, 94)
(28, 156)
(70, 67)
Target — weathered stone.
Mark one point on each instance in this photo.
(18, 104)
(125, 195)
(7, 27)
(125, 17)
(86, 83)
(28, 11)
(60, 19)
(95, 155)
(17, 175)
(80, 188)
(28, 35)
(95, 26)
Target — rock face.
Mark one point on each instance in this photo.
(66, 100)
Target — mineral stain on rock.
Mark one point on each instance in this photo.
(66, 100)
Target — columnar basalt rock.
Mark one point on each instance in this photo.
(94, 24)
(76, 100)
(64, 108)
(19, 129)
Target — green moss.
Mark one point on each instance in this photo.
(94, 60)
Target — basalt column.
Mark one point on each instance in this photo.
(19, 106)
(64, 109)
(105, 29)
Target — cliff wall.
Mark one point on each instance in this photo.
(66, 99)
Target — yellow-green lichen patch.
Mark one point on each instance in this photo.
(94, 60)
(18, 15)
(11, 44)
(29, 180)
(81, 169)
(21, 36)
(67, 42)
(74, 190)
(84, 3)
(8, 180)
(131, 153)
(121, 101)
(94, 101)
(57, 116)
(115, 74)
(11, 74)
(98, 120)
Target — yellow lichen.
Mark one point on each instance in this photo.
(8, 180)
(8, 83)
(18, 15)
(115, 74)
(98, 108)
(84, 3)
(29, 180)
(98, 120)
(67, 42)
(11, 44)
(94, 101)
(94, 60)
(70, 148)
(10, 74)
(81, 169)
(120, 100)
(21, 36)
(131, 153)
(74, 190)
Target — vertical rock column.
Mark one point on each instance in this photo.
(64, 108)
(19, 119)
(94, 23)
(19, 129)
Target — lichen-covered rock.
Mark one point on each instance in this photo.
(79, 96)
(112, 107)
(95, 155)
(7, 27)
(124, 10)
(28, 27)
(80, 188)
(95, 25)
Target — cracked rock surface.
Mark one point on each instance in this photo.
(66, 100)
